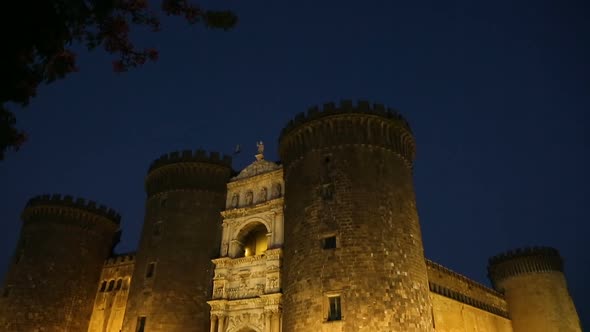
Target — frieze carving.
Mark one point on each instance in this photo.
(272, 300)
(218, 292)
(273, 254)
(247, 319)
(245, 291)
(272, 283)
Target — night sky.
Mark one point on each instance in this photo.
(497, 93)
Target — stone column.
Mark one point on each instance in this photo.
(213, 323)
(222, 323)
(275, 322)
(267, 319)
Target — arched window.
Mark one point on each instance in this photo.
(103, 286)
(111, 285)
(253, 240)
(119, 283)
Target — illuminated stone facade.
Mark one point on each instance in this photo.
(327, 241)
(112, 294)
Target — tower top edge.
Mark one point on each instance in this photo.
(345, 106)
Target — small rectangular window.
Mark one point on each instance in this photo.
(334, 310)
(140, 324)
(329, 242)
(151, 269)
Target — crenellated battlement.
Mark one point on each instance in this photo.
(524, 260)
(431, 265)
(187, 156)
(188, 170)
(126, 258)
(345, 106)
(370, 125)
(67, 201)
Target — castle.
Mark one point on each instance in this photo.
(328, 240)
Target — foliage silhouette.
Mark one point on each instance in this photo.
(37, 35)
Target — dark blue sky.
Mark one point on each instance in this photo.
(497, 92)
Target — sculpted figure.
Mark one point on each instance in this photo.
(260, 146)
(263, 194)
(276, 190)
(235, 200)
(249, 198)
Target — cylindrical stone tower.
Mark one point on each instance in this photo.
(52, 281)
(181, 234)
(535, 289)
(353, 254)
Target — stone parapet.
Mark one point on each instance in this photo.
(445, 282)
(188, 170)
(121, 259)
(363, 124)
(66, 204)
(189, 156)
(522, 261)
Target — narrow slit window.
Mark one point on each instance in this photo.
(119, 283)
(111, 285)
(157, 228)
(103, 286)
(151, 269)
(334, 311)
(141, 324)
(329, 242)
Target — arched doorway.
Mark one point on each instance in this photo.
(253, 240)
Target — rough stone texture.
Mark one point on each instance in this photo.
(454, 316)
(535, 289)
(181, 235)
(51, 283)
(112, 292)
(348, 174)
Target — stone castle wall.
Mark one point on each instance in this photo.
(51, 283)
(446, 282)
(111, 295)
(534, 286)
(350, 232)
(451, 315)
(181, 234)
(348, 175)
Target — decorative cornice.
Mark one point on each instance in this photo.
(253, 209)
(272, 175)
(257, 168)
